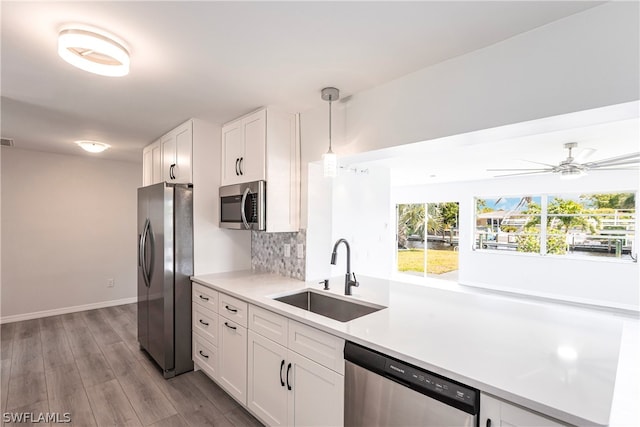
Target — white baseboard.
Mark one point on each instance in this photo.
(65, 310)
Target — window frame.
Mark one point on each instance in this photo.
(544, 216)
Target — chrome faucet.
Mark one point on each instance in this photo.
(348, 283)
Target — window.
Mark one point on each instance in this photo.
(587, 225)
(427, 239)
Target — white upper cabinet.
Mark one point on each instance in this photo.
(243, 149)
(152, 164)
(265, 145)
(170, 158)
(177, 149)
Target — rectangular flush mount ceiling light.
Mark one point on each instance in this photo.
(94, 51)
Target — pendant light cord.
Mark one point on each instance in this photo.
(330, 99)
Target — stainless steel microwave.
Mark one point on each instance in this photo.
(243, 206)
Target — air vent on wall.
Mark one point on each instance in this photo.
(6, 142)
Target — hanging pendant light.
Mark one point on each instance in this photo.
(329, 160)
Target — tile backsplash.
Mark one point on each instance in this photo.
(267, 253)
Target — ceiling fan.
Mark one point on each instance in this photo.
(572, 168)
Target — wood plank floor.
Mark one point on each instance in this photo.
(89, 365)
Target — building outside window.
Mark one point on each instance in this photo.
(581, 225)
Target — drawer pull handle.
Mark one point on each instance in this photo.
(203, 298)
(488, 422)
(281, 367)
(229, 326)
(202, 354)
(203, 322)
(233, 310)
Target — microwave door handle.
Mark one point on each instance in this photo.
(243, 214)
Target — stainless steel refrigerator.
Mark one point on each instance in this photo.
(165, 263)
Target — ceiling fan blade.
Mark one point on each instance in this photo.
(538, 163)
(615, 159)
(614, 169)
(584, 154)
(596, 165)
(519, 169)
(524, 173)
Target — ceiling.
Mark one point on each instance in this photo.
(220, 60)
(601, 133)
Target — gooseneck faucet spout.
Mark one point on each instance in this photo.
(348, 283)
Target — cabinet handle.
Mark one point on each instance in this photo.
(229, 326)
(203, 298)
(237, 162)
(241, 160)
(172, 175)
(233, 310)
(202, 354)
(203, 322)
(281, 367)
(488, 422)
(288, 370)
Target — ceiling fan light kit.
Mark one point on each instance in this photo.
(572, 169)
(93, 51)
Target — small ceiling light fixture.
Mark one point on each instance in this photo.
(93, 146)
(329, 160)
(94, 51)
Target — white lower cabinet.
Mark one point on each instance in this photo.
(232, 358)
(317, 394)
(286, 388)
(267, 394)
(498, 413)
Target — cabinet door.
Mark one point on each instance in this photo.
(497, 413)
(267, 391)
(156, 163)
(232, 358)
(232, 151)
(147, 166)
(184, 148)
(252, 160)
(317, 393)
(168, 143)
(151, 164)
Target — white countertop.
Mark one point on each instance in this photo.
(558, 360)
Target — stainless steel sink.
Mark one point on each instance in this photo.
(329, 306)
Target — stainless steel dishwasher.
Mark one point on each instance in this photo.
(383, 391)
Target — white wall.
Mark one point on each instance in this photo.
(68, 225)
(593, 281)
(584, 61)
(215, 249)
(362, 213)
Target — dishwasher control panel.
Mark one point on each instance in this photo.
(428, 381)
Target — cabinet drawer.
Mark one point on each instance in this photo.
(205, 355)
(206, 297)
(318, 346)
(233, 309)
(268, 324)
(205, 323)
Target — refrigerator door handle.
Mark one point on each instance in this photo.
(243, 214)
(146, 270)
(143, 252)
(153, 253)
